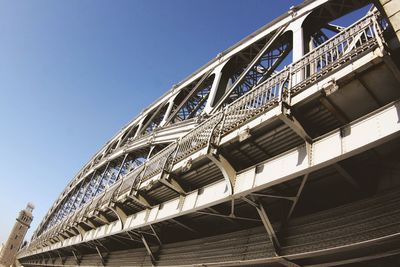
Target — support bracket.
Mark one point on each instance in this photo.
(63, 259)
(87, 221)
(80, 229)
(122, 216)
(170, 182)
(267, 224)
(228, 171)
(138, 198)
(102, 257)
(146, 245)
(78, 257)
(290, 120)
(296, 199)
(101, 217)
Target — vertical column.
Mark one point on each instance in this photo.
(298, 40)
(168, 111)
(298, 45)
(213, 91)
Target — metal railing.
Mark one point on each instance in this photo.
(333, 53)
(130, 180)
(197, 138)
(255, 102)
(158, 162)
(354, 40)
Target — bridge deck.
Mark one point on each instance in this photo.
(327, 234)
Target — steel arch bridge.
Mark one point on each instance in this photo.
(281, 151)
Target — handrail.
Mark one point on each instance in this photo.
(333, 53)
(156, 163)
(197, 138)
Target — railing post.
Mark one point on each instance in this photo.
(282, 85)
(377, 31)
(221, 120)
(139, 176)
(224, 115)
(175, 152)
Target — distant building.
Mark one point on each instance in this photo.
(10, 248)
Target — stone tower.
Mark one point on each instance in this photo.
(16, 237)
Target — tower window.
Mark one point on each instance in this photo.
(20, 227)
(11, 247)
(16, 236)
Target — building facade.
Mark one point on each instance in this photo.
(16, 237)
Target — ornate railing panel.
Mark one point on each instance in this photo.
(158, 162)
(333, 53)
(255, 102)
(197, 138)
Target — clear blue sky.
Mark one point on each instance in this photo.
(72, 73)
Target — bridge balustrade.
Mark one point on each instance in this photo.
(352, 41)
(197, 138)
(158, 162)
(260, 99)
(131, 180)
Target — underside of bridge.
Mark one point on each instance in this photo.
(282, 151)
